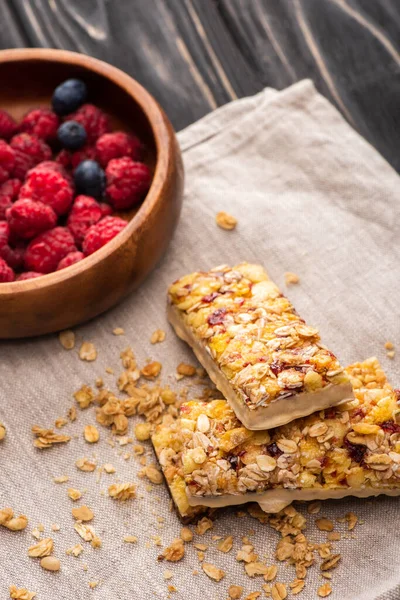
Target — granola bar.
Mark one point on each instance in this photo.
(209, 458)
(268, 364)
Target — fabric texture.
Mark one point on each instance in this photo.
(312, 197)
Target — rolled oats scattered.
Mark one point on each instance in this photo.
(203, 525)
(88, 352)
(42, 548)
(324, 590)
(279, 591)
(271, 573)
(390, 354)
(235, 592)
(153, 474)
(93, 584)
(151, 370)
(352, 520)
(72, 414)
(291, 278)
(324, 524)
(331, 562)
(16, 523)
(168, 574)
(130, 539)
(2, 431)
(253, 596)
(314, 507)
(50, 563)
(122, 491)
(157, 336)
(212, 571)
(109, 468)
(75, 550)
(225, 545)
(74, 494)
(297, 586)
(88, 534)
(225, 220)
(55, 527)
(334, 536)
(85, 464)
(61, 479)
(67, 339)
(143, 431)
(82, 513)
(61, 422)
(174, 552)
(91, 434)
(84, 396)
(20, 593)
(186, 370)
(255, 568)
(118, 331)
(5, 515)
(45, 438)
(186, 534)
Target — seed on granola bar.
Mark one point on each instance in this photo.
(82, 513)
(91, 434)
(270, 365)
(225, 220)
(88, 352)
(212, 571)
(67, 339)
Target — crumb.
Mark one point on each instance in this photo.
(291, 278)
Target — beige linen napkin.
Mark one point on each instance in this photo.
(311, 196)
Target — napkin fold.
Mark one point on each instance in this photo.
(312, 197)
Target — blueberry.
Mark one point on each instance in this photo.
(69, 96)
(90, 179)
(71, 135)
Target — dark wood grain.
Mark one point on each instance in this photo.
(195, 55)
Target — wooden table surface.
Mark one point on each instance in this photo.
(195, 55)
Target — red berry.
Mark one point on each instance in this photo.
(49, 165)
(5, 204)
(6, 273)
(106, 209)
(46, 250)
(49, 187)
(94, 120)
(7, 161)
(4, 233)
(84, 213)
(98, 235)
(70, 259)
(42, 122)
(29, 151)
(127, 182)
(27, 218)
(117, 145)
(14, 256)
(7, 125)
(10, 188)
(28, 275)
(70, 160)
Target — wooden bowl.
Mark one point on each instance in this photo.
(65, 298)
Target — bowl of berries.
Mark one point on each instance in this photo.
(91, 184)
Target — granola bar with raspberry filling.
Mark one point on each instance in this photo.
(267, 362)
(210, 459)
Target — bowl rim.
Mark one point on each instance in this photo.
(163, 137)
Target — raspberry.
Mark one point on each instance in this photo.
(50, 188)
(70, 160)
(48, 165)
(85, 212)
(14, 256)
(6, 273)
(29, 151)
(117, 145)
(7, 161)
(94, 120)
(42, 122)
(28, 275)
(70, 259)
(8, 193)
(127, 182)
(28, 218)
(7, 125)
(98, 235)
(4, 233)
(106, 209)
(46, 250)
